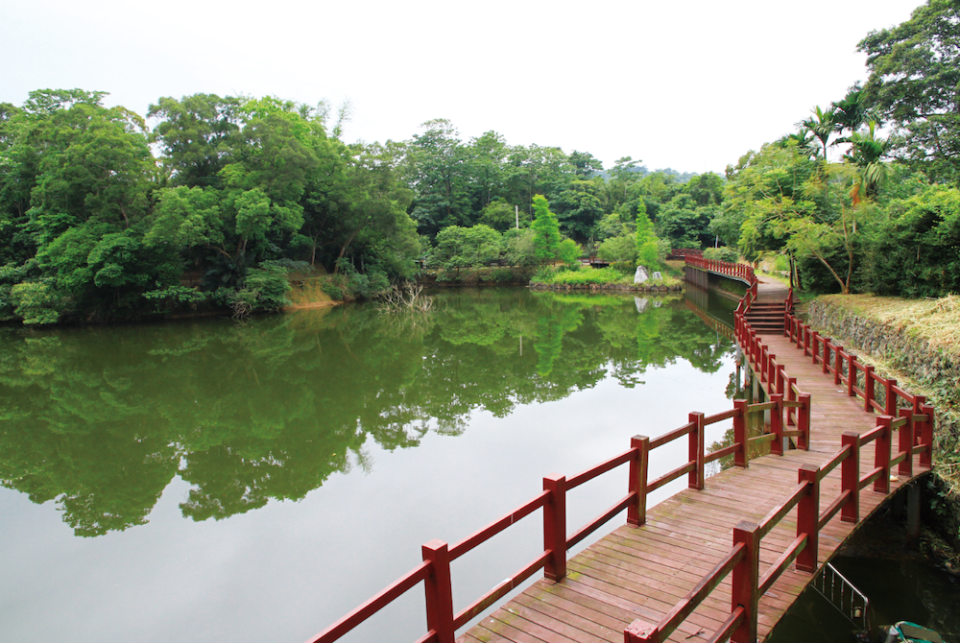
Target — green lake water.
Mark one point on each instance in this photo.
(212, 480)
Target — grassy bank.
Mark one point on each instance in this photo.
(935, 320)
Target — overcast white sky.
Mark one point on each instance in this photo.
(689, 85)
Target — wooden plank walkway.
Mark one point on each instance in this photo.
(641, 573)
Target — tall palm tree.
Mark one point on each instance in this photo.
(849, 113)
(866, 152)
(803, 142)
(821, 125)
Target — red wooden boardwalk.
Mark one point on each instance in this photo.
(725, 558)
(644, 572)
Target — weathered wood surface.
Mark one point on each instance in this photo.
(643, 572)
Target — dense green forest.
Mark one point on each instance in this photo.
(105, 218)
(216, 201)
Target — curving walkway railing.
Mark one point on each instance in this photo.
(735, 270)
(789, 410)
(905, 413)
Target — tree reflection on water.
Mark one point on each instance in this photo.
(100, 420)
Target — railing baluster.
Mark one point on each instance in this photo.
(695, 449)
(745, 581)
(637, 511)
(803, 422)
(882, 456)
(838, 365)
(791, 397)
(555, 527)
(776, 424)
(439, 591)
(905, 443)
(926, 437)
(741, 457)
(890, 398)
(772, 375)
(868, 389)
(808, 517)
(850, 477)
(851, 375)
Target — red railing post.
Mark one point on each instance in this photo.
(838, 365)
(740, 456)
(772, 374)
(926, 437)
(776, 424)
(439, 591)
(882, 457)
(791, 397)
(815, 346)
(806, 339)
(803, 422)
(808, 517)
(851, 375)
(745, 580)
(781, 379)
(850, 477)
(555, 527)
(826, 354)
(637, 510)
(695, 479)
(867, 388)
(889, 398)
(905, 443)
(641, 632)
(918, 401)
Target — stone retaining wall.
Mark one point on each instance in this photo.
(937, 373)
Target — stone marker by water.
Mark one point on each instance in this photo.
(641, 275)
